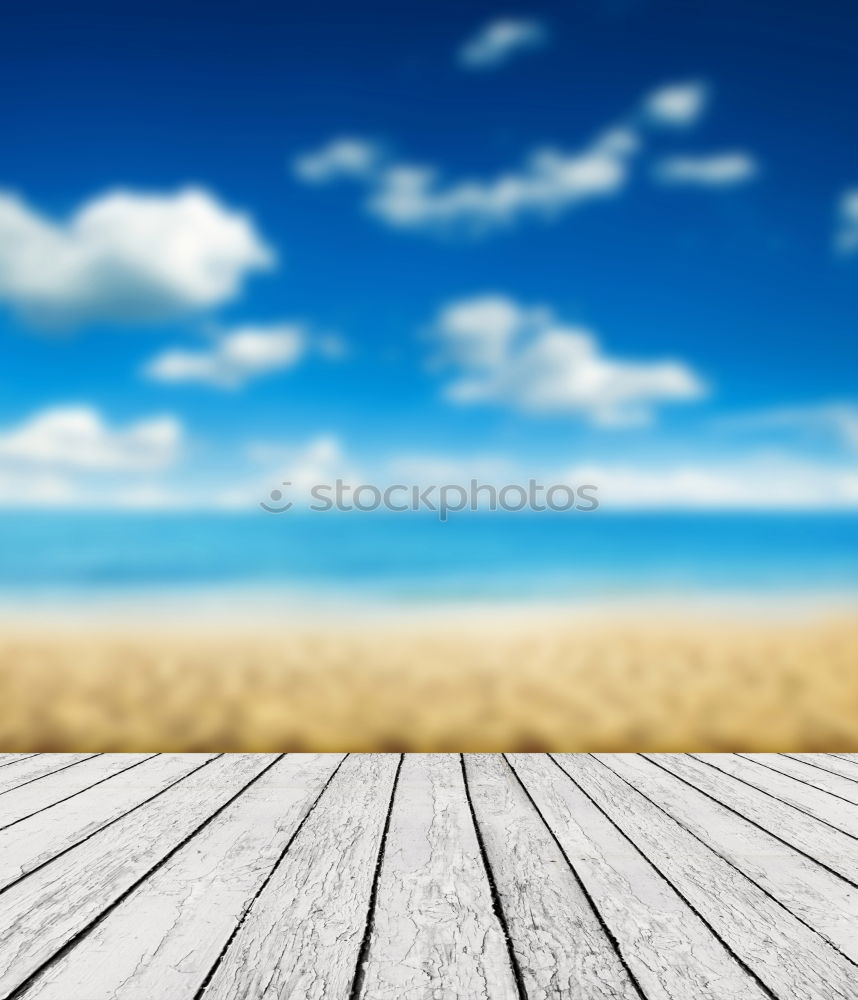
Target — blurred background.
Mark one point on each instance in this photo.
(610, 243)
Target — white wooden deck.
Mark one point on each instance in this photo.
(428, 877)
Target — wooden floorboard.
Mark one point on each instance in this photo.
(428, 877)
(813, 800)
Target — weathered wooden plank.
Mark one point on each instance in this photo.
(831, 848)
(834, 784)
(61, 785)
(562, 949)
(828, 762)
(302, 936)
(34, 841)
(813, 801)
(822, 900)
(13, 758)
(669, 949)
(162, 940)
(31, 768)
(43, 912)
(791, 959)
(435, 933)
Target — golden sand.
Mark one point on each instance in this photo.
(558, 687)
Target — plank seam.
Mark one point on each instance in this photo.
(727, 861)
(23, 756)
(84, 932)
(809, 784)
(497, 905)
(369, 925)
(116, 819)
(843, 756)
(612, 938)
(246, 912)
(777, 798)
(47, 774)
(737, 958)
(747, 819)
(827, 770)
(79, 792)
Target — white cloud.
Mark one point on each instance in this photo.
(677, 104)
(713, 170)
(498, 41)
(343, 157)
(79, 437)
(234, 357)
(413, 196)
(548, 183)
(528, 359)
(839, 420)
(847, 217)
(126, 257)
(757, 483)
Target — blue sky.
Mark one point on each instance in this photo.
(718, 242)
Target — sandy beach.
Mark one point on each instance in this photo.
(515, 684)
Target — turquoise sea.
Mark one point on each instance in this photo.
(63, 558)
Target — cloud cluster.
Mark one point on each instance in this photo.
(847, 220)
(346, 157)
(677, 105)
(497, 42)
(415, 197)
(126, 257)
(716, 170)
(233, 358)
(838, 420)
(549, 182)
(79, 437)
(526, 358)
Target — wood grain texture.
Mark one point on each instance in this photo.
(813, 801)
(13, 758)
(60, 785)
(561, 947)
(807, 890)
(436, 936)
(790, 958)
(828, 762)
(19, 772)
(302, 936)
(428, 877)
(42, 913)
(803, 772)
(162, 939)
(34, 841)
(831, 848)
(670, 950)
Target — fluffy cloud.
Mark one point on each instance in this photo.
(549, 182)
(409, 196)
(234, 357)
(847, 233)
(79, 437)
(677, 105)
(759, 483)
(338, 159)
(837, 420)
(714, 170)
(528, 359)
(498, 41)
(126, 257)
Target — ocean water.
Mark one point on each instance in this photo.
(63, 558)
